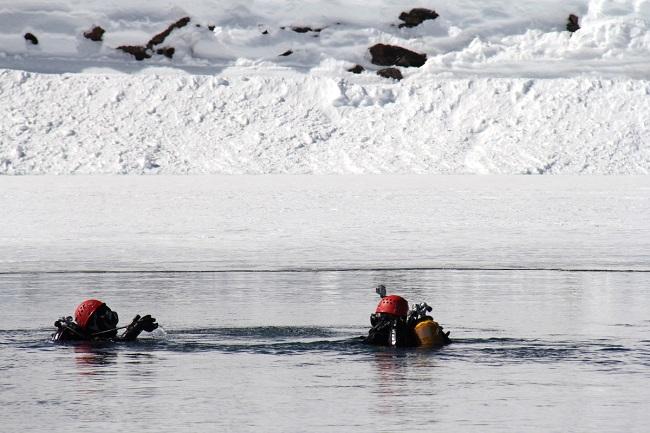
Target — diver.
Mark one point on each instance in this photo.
(394, 325)
(95, 321)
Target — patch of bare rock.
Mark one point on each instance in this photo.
(145, 52)
(416, 16)
(393, 55)
(31, 38)
(573, 25)
(95, 34)
(393, 73)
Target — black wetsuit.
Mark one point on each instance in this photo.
(382, 326)
(68, 330)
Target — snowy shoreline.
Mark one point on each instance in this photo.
(240, 88)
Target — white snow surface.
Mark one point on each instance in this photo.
(505, 88)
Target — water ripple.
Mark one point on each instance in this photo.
(288, 340)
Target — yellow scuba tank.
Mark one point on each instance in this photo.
(430, 334)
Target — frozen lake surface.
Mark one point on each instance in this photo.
(263, 284)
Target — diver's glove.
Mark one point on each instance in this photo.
(146, 323)
(139, 324)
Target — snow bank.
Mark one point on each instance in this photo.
(505, 89)
(284, 122)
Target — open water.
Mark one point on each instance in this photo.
(264, 284)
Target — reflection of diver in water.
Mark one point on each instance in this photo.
(95, 321)
(91, 358)
(394, 325)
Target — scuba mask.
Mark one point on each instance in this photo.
(103, 319)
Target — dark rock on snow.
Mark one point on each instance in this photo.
(286, 53)
(389, 55)
(137, 51)
(141, 53)
(160, 37)
(393, 73)
(265, 32)
(166, 51)
(211, 28)
(31, 38)
(357, 69)
(572, 25)
(95, 34)
(304, 29)
(416, 16)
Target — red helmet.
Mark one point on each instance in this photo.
(393, 304)
(84, 310)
